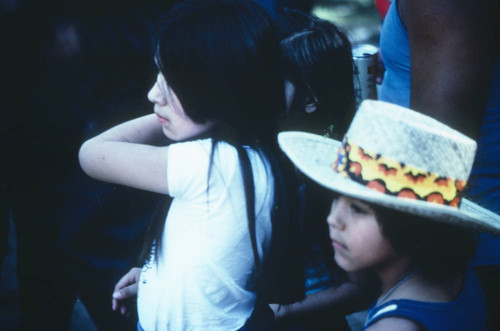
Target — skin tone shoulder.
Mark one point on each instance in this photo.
(126, 155)
(395, 323)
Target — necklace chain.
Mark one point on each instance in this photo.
(404, 279)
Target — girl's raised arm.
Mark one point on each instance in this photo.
(126, 155)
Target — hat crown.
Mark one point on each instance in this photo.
(412, 138)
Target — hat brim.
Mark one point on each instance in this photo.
(314, 156)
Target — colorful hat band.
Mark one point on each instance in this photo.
(395, 178)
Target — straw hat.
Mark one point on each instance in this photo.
(397, 158)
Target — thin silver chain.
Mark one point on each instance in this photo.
(410, 275)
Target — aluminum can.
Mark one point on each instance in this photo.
(365, 66)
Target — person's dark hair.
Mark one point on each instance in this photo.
(222, 59)
(317, 60)
(440, 249)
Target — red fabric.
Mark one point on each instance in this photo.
(382, 7)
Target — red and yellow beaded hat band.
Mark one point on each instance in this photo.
(398, 158)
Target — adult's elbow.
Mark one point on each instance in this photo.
(86, 157)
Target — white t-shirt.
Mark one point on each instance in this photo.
(203, 278)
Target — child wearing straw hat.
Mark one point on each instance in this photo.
(399, 178)
(320, 98)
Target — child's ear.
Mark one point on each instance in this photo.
(311, 104)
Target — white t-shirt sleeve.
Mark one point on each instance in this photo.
(187, 169)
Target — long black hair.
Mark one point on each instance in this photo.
(222, 59)
(317, 60)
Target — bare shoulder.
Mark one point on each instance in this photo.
(395, 323)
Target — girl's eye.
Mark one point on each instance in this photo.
(358, 209)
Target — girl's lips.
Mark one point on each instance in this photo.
(337, 245)
(161, 119)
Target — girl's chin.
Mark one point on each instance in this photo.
(169, 134)
(344, 264)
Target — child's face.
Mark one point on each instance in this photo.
(176, 124)
(356, 236)
(309, 106)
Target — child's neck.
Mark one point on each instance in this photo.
(393, 272)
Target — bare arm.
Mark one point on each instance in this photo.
(451, 52)
(349, 297)
(125, 155)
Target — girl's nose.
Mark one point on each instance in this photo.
(334, 219)
(155, 95)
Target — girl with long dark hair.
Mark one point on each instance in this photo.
(220, 249)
